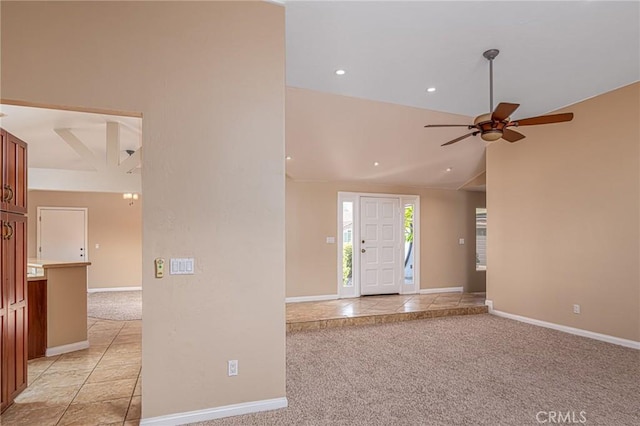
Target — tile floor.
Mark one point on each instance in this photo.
(99, 385)
(102, 385)
(381, 309)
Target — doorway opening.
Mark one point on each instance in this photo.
(84, 230)
(379, 244)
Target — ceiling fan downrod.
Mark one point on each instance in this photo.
(490, 55)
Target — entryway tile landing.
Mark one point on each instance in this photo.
(381, 309)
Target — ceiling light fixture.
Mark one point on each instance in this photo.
(431, 89)
(131, 197)
(340, 72)
(495, 125)
(375, 163)
(449, 169)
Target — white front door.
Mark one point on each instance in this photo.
(380, 251)
(62, 234)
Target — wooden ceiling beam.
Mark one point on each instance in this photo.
(81, 149)
(113, 144)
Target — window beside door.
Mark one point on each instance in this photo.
(481, 239)
(409, 227)
(347, 244)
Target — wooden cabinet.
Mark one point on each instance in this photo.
(14, 174)
(14, 278)
(13, 272)
(37, 323)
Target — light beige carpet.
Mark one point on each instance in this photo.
(115, 305)
(468, 370)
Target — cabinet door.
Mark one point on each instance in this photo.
(15, 275)
(37, 322)
(14, 182)
(4, 315)
(4, 397)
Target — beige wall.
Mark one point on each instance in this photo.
(445, 216)
(66, 305)
(562, 214)
(112, 223)
(209, 80)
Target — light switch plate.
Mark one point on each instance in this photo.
(182, 266)
(331, 240)
(461, 241)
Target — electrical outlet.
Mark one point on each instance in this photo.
(232, 366)
(576, 309)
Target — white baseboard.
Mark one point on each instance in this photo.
(105, 289)
(217, 412)
(441, 290)
(571, 330)
(311, 298)
(71, 347)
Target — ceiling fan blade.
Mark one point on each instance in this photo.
(511, 136)
(503, 111)
(449, 125)
(544, 119)
(460, 138)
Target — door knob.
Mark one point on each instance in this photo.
(363, 250)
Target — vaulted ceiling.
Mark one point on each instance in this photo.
(552, 54)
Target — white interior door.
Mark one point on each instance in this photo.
(62, 234)
(380, 251)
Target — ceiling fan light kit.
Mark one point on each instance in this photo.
(495, 125)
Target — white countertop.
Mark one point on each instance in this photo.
(46, 264)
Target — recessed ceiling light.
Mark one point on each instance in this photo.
(375, 163)
(288, 157)
(449, 169)
(340, 72)
(431, 89)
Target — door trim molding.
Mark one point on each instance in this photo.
(354, 291)
(86, 227)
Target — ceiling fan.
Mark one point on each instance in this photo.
(496, 125)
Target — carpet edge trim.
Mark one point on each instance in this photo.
(566, 329)
(217, 412)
